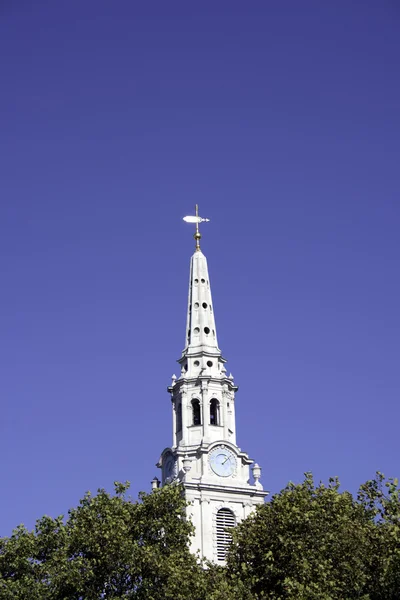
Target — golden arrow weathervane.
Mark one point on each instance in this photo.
(196, 219)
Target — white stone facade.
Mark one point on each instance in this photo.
(204, 455)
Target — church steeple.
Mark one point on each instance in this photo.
(204, 456)
(201, 353)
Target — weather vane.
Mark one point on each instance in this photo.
(197, 220)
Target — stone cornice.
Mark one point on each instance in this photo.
(227, 490)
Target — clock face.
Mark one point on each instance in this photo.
(222, 461)
(170, 467)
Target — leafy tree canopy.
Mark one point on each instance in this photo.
(314, 543)
(308, 542)
(108, 547)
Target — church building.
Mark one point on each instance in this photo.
(204, 455)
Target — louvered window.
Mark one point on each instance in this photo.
(225, 520)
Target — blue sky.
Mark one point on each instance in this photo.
(281, 119)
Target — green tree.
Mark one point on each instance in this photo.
(108, 547)
(309, 542)
(381, 500)
(314, 543)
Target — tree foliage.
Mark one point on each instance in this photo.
(315, 543)
(308, 542)
(108, 547)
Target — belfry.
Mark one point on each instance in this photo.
(204, 456)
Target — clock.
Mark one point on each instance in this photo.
(169, 468)
(222, 461)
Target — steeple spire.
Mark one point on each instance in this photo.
(201, 345)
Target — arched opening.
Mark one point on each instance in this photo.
(196, 415)
(179, 417)
(225, 520)
(214, 412)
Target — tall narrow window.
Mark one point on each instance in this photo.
(196, 416)
(214, 412)
(225, 520)
(179, 417)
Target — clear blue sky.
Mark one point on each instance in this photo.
(281, 119)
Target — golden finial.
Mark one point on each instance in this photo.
(197, 235)
(196, 220)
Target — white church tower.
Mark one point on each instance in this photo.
(204, 455)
